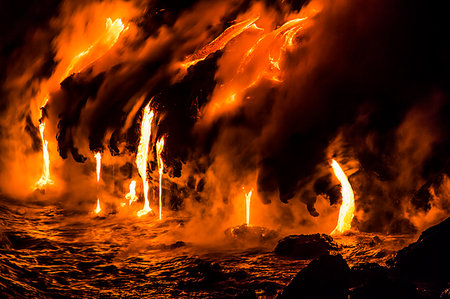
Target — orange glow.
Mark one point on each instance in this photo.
(262, 59)
(98, 159)
(105, 42)
(142, 155)
(98, 209)
(159, 149)
(248, 197)
(45, 177)
(220, 42)
(131, 196)
(348, 202)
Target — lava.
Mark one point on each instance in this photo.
(77, 64)
(248, 197)
(131, 196)
(159, 149)
(348, 202)
(98, 48)
(220, 42)
(98, 159)
(45, 177)
(142, 155)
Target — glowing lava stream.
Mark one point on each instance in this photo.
(131, 196)
(98, 158)
(113, 31)
(159, 149)
(248, 196)
(348, 201)
(45, 177)
(142, 155)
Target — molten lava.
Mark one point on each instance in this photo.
(159, 149)
(98, 158)
(348, 202)
(98, 48)
(131, 196)
(248, 197)
(142, 155)
(45, 177)
(220, 42)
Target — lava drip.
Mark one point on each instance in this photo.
(159, 149)
(142, 155)
(348, 201)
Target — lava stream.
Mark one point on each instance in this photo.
(248, 197)
(131, 196)
(142, 155)
(45, 177)
(159, 149)
(348, 202)
(98, 158)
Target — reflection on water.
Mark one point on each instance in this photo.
(46, 252)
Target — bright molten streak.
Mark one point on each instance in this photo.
(131, 196)
(141, 157)
(248, 196)
(348, 201)
(98, 158)
(98, 209)
(45, 177)
(159, 149)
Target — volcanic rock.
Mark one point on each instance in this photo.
(326, 277)
(427, 259)
(370, 280)
(250, 234)
(305, 247)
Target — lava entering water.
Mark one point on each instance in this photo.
(248, 197)
(348, 202)
(45, 177)
(159, 149)
(98, 158)
(142, 155)
(131, 196)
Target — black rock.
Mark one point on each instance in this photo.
(427, 259)
(371, 280)
(326, 277)
(305, 247)
(250, 234)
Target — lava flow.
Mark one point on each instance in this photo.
(77, 64)
(98, 158)
(159, 149)
(142, 155)
(45, 177)
(348, 202)
(131, 196)
(248, 197)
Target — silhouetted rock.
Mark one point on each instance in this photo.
(326, 277)
(305, 247)
(371, 280)
(428, 258)
(250, 234)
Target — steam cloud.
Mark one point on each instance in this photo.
(366, 83)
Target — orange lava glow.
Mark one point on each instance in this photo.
(131, 196)
(220, 42)
(248, 197)
(105, 42)
(45, 177)
(98, 209)
(159, 149)
(142, 155)
(98, 159)
(348, 201)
